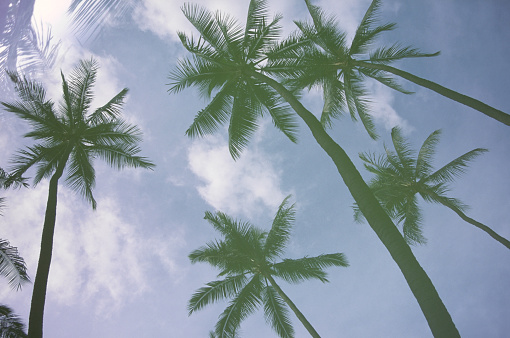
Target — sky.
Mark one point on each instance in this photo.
(123, 271)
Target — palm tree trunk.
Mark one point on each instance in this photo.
(294, 308)
(451, 94)
(436, 314)
(35, 321)
(481, 226)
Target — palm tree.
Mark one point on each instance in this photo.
(399, 178)
(246, 258)
(69, 136)
(11, 325)
(229, 61)
(340, 69)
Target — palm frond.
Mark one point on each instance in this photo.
(216, 253)
(365, 34)
(280, 230)
(215, 291)
(298, 270)
(215, 114)
(403, 151)
(81, 83)
(276, 313)
(425, 155)
(410, 217)
(121, 156)
(323, 31)
(240, 307)
(261, 38)
(256, 17)
(386, 55)
(357, 102)
(383, 78)
(81, 175)
(334, 101)
(12, 265)
(436, 194)
(455, 168)
(232, 35)
(243, 121)
(109, 111)
(204, 22)
(283, 119)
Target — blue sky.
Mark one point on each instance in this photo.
(123, 271)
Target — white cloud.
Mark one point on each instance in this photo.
(382, 98)
(99, 258)
(242, 186)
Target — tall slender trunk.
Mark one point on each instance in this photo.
(35, 321)
(451, 94)
(436, 314)
(481, 226)
(293, 307)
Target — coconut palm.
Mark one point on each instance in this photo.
(246, 258)
(69, 136)
(230, 62)
(400, 177)
(341, 68)
(11, 325)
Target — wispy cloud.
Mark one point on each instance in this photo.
(382, 110)
(242, 186)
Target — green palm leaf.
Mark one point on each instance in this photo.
(455, 168)
(299, 270)
(12, 265)
(280, 230)
(240, 307)
(276, 313)
(215, 291)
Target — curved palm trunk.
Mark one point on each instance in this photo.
(451, 94)
(483, 227)
(436, 314)
(35, 321)
(294, 308)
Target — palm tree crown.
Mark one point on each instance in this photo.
(71, 135)
(246, 258)
(223, 58)
(321, 56)
(400, 177)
